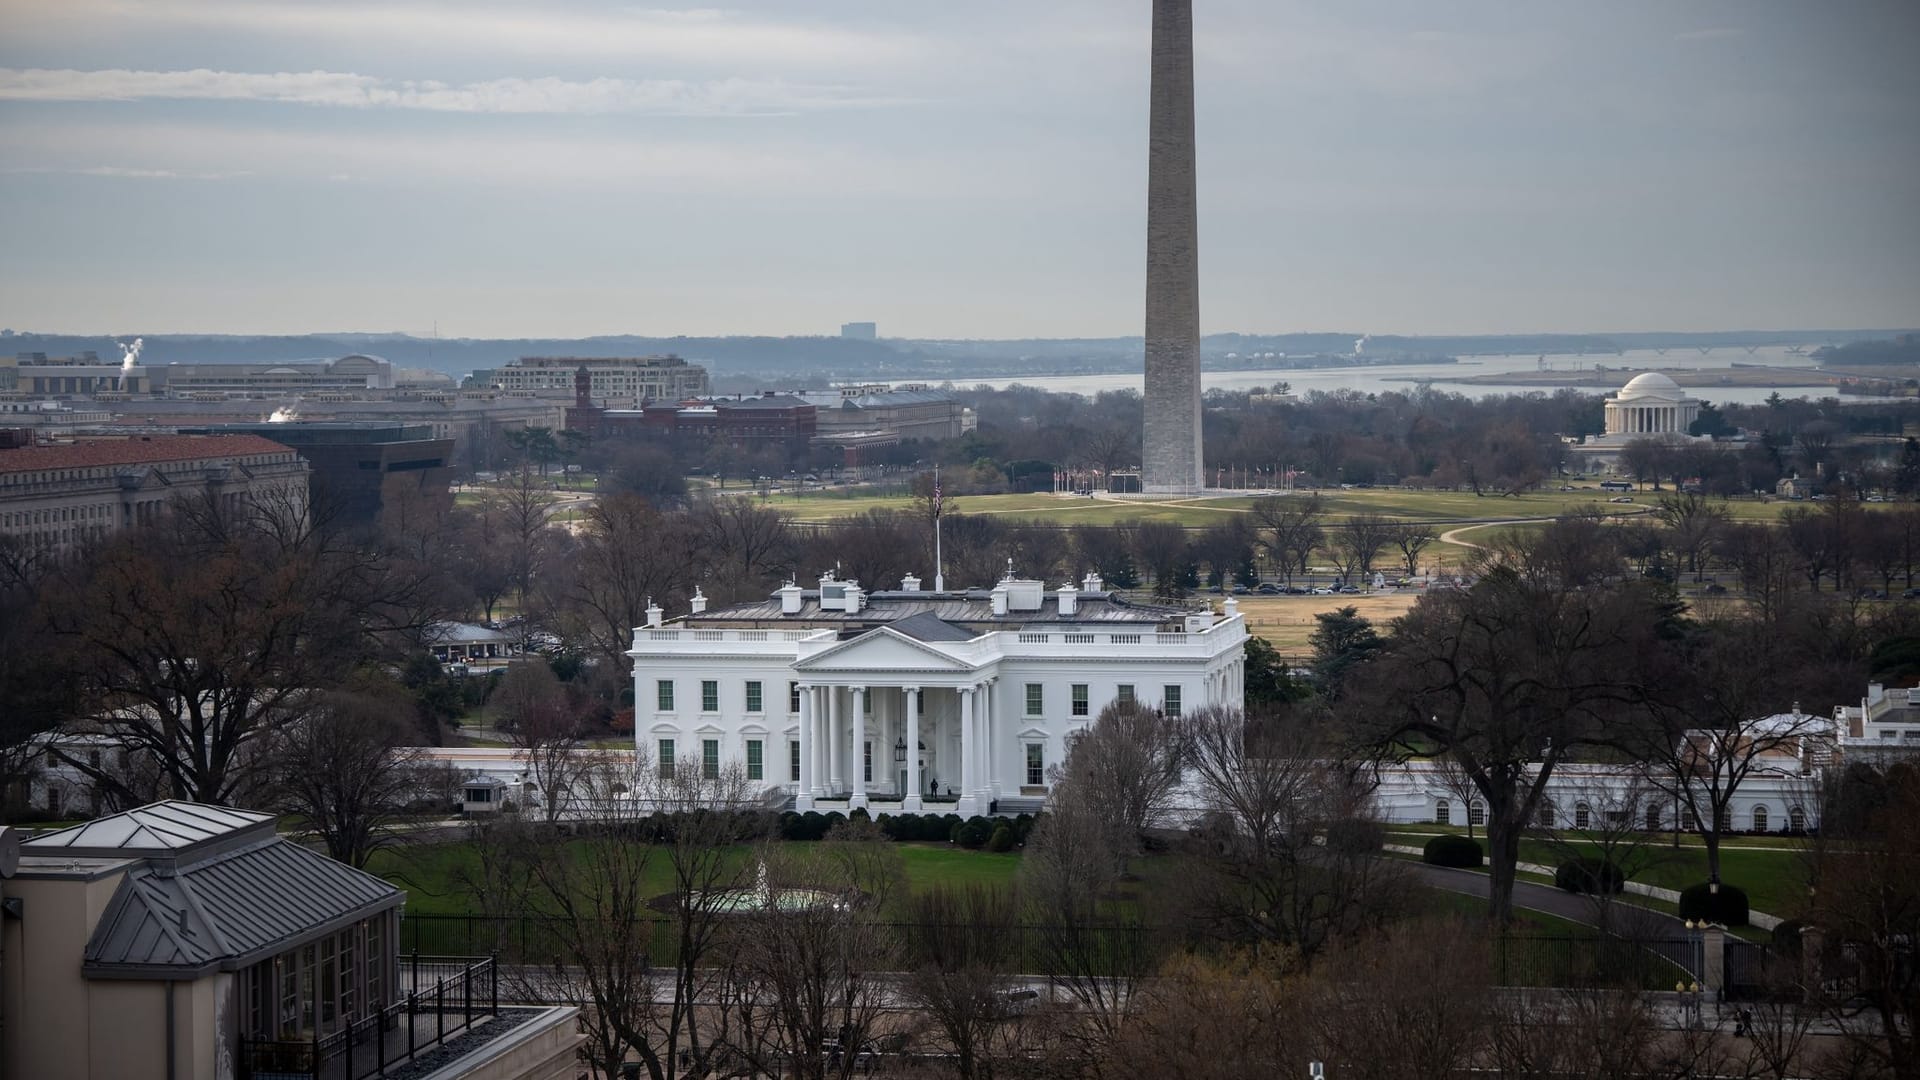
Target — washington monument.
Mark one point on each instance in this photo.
(1171, 451)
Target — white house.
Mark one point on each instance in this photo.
(897, 699)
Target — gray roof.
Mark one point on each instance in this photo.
(973, 607)
(165, 829)
(926, 626)
(229, 911)
(459, 633)
(898, 397)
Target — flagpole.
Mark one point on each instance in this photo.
(939, 564)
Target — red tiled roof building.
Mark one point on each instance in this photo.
(57, 496)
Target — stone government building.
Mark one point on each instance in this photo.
(55, 497)
(895, 699)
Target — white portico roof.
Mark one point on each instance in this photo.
(887, 649)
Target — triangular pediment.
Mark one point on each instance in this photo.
(883, 650)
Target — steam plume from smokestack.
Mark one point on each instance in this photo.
(1361, 345)
(129, 356)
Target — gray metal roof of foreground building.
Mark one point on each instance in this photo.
(158, 829)
(217, 889)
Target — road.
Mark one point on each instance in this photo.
(1624, 918)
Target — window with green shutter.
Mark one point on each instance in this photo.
(753, 696)
(1036, 699)
(663, 695)
(709, 695)
(754, 765)
(710, 759)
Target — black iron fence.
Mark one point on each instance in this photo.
(1595, 960)
(445, 995)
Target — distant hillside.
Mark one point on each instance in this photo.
(1904, 349)
(791, 359)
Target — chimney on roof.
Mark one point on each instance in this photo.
(999, 598)
(909, 584)
(654, 614)
(791, 596)
(1092, 583)
(699, 600)
(1069, 598)
(1231, 607)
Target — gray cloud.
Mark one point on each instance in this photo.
(661, 97)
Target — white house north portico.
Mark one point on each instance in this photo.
(900, 699)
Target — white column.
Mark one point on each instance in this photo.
(989, 744)
(820, 740)
(911, 803)
(803, 792)
(969, 801)
(836, 750)
(859, 749)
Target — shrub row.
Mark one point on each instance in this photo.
(1589, 875)
(1728, 907)
(975, 832)
(1453, 850)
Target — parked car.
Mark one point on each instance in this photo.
(1621, 498)
(1268, 588)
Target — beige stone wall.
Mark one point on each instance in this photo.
(47, 1027)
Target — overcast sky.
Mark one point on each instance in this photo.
(953, 169)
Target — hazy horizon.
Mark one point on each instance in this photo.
(950, 171)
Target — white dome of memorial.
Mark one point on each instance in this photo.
(1651, 405)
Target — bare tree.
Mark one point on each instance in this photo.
(1284, 859)
(1512, 676)
(1865, 911)
(547, 730)
(199, 638)
(1360, 540)
(1127, 764)
(629, 554)
(584, 898)
(1693, 526)
(744, 547)
(1718, 714)
(1291, 527)
(809, 967)
(1097, 955)
(344, 771)
(1411, 538)
(1458, 783)
(712, 813)
(520, 506)
(1416, 1004)
(1606, 826)
(960, 943)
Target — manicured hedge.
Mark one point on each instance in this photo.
(1453, 850)
(1589, 875)
(973, 833)
(1001, 840)
(1728, 908)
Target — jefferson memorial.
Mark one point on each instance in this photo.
(1652, 407)
(907, 700)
